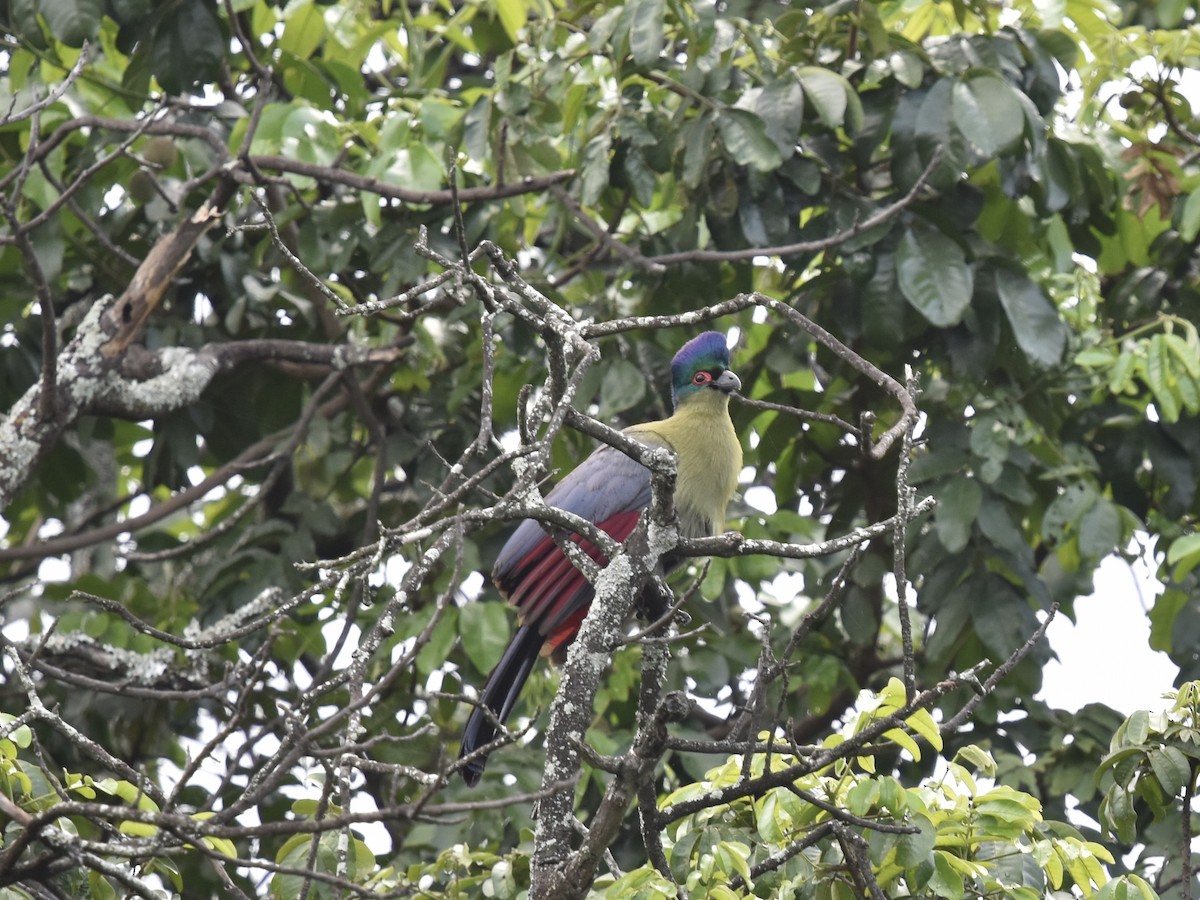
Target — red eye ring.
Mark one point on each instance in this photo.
(702, 378)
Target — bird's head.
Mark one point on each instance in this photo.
(702, 364)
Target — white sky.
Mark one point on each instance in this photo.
(1105, 657)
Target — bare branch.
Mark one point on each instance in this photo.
(880, 217)
(157, 272)
(56, 93)
(528, 185)
(905, 513)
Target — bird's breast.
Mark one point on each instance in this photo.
(710, 458)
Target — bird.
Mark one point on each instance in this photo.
(611, 489)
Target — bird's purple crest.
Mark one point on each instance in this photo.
(708, 351)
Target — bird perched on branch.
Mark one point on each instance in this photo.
(611, 489)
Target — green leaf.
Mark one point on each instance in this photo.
(978, 759)
(21, 736)
(1121, 377)
(594, 177)
(827, 92)
(893, 694)
(1185, 353)
(1145, 891)
(908, 68)
(417, 167)
(913, 849)
(512, 14)
(1161, 379)
(485, 629)
(771, 825)
(1123, 763)
(780, 105)
(1006, 620)
(1100, 530)
(1171, 768)
(224, 846)
(1189, 219)
(623, 387)
(434, 653)
(128, 792)
(946, 882)
(297, 855)
(1036, 325)
(861, 798)
(923, 724)
(187, 47)
(303, 30)
(933, 127)
(988, 114)
(1006, 810)
(1068, 508)
(1137, 727)
(746, 140)
(1184, 555)
(1096, 357)
(933, 275)
(1117, 812)
(958, 506)
(733, 856)
(138, 829)
(642, 882)
(639, 176)
(99, 887)
(901, 737)
(1057, 171)
(72, 21)
(696, 142)
(646, 31)
(1163, 615)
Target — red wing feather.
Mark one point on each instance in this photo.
(550, 593)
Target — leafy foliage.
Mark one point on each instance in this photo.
(236, 392)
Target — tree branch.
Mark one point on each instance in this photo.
(528, 185)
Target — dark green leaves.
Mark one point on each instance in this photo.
(934, 275)
(186, 46)
(957, 509)
(1039, 331)
(988, 114)
(832, 97)
(774, 114)
(1100, 530)
(623, 386)
(69, 21)
(745, 137)
(646, 30)
(485, 626)
(780, 105)
(637, 26)
(595, 175)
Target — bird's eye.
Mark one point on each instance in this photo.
(702, 378)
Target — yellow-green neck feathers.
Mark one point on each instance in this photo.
(710, 458)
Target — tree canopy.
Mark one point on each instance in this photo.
(303, 302)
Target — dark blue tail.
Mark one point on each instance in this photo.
(499, 695)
